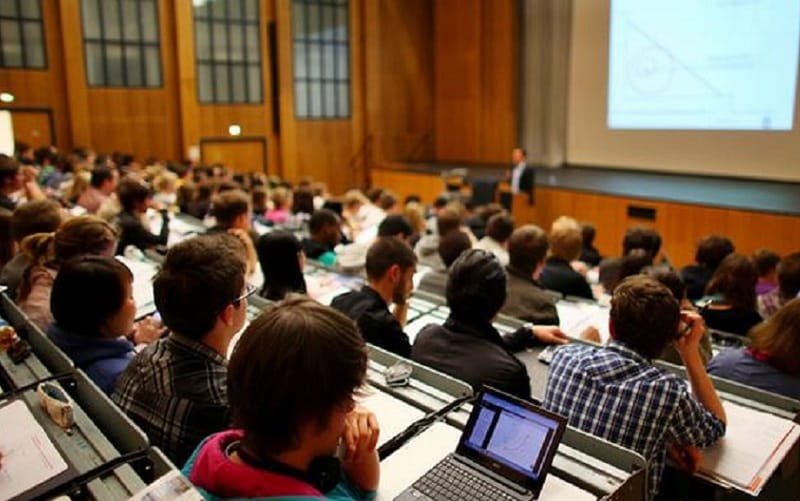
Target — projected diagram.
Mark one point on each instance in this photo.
(684, 64)
(518, 441)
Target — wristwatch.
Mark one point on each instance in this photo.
(528, 326)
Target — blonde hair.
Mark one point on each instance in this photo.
(354, 197)
(280, 197)
(566, 242)
(166, 182)
(80, 182)
(416, 217)
(778, 339)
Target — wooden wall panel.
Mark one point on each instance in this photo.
(476, 68)
(241, 155)
(45, 88)
(399, 79)
(32, 127)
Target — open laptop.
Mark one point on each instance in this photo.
(504, 453)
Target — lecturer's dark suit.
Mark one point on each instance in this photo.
(527, 180)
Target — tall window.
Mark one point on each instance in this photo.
(228, 51)
(21, 34)
(321, 58)
(121, 40)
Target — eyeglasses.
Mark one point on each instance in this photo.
(249, 290)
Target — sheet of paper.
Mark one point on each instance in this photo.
(29, 457)
(143, 273)
(754, 444)
(575, 317)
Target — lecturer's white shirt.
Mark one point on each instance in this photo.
(516, 176)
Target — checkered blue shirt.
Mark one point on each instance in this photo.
(618, 395)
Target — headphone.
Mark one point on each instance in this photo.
(324, 472)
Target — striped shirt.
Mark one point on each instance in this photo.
(618, 395)
(176, 391)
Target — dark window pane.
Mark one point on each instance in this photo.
(202, 40)
(221, 81)
(30, 9)
(342, 65)
(301, 99)
(115, 65)
(239, 91)
(237, 44)
(204, 90)
(149, 21)
(298, 20)
(90, 12)
(312, 21)
(329, 99)
(201, 9)
(314, 60)
(300, 70)
(342, 22)
(94, 64)
(218, 9)
(251, 10)
(152, 58)
(130, 20)
(254, 83)
(111, 21)
(34, 44)
(328, 60)
(133, 65)
(235, 9)
(253, 49)
(8, 8)
(220, 48)
(343, 90)
(10, 38)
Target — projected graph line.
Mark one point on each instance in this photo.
(676, 60)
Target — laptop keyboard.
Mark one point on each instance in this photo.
(449, 481)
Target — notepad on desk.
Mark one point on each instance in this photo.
(754, 445)
(29, 457)
(575, 317)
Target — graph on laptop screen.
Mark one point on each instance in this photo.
(512, 435)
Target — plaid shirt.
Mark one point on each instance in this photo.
(616, 394)
(176, 391)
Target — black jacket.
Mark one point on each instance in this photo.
(475, 354)
(559, 276)
(696, 277)
(527, 300)
(376, 323)
(133, 232)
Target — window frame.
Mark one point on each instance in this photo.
(322, 81)
(227, 64)
(20, 20)
(103, 42)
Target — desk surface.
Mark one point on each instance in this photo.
(411, 461)
(393, 414)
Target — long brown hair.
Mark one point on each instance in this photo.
(778, 338)
(736, 280)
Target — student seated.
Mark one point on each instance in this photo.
(732, 290)
(498, 231)
(589, 253)
(292, 381)
(527, 299)
(558, 274)
(390, 271)
(397, 226)
(17, 180)
(79, 236)
(616, 393)
(101, 187)
(93, 307)
(788, 286)
(427, 249)
(325, 233)
(175, 390)
(281, 203)
(772, 361)
(40, 216)
(641, 246)
(450, 247)
(467, 346)
(766, 262)
(711, 250)
(135, 198)
(282, 262)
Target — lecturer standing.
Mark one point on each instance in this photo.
(522, 178)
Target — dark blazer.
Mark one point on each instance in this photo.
(133, 232)
(559, 276)
(527, 181)
(476, 355)
(527, 300)
(376, 323)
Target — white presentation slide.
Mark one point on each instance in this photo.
(703, 64)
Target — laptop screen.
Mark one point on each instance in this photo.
(515, 438)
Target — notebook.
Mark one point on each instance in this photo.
(504, 453)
